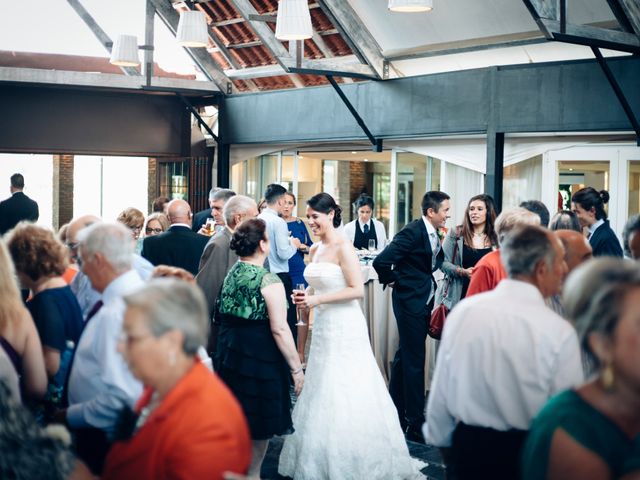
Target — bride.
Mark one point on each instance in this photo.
(346, 426)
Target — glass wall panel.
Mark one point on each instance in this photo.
(574, 175)
(309, 182)
(382, 192)
(522, 181)
(634, 187)
(417, 174)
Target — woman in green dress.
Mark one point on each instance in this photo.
(594, 431)
(256, 356)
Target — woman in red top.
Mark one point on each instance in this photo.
(187, 424)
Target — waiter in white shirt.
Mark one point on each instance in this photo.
(281, 246)
(100, 383)
(365, 227)
(503, 354)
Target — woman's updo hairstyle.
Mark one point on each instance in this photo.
(364, 200)
(247, 237)
(588, 197)
(324, 203)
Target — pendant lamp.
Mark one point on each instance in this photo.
(125, 51)
(410, 5)
(192, 29)
(294, 20)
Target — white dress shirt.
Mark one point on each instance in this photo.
(503, 354)
(280, 250)
(381, 234)
(594, 227)
(85, 294)
(101, 383)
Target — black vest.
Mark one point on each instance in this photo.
(361, 241)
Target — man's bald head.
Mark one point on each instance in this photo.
(179, 211)
(576, 247)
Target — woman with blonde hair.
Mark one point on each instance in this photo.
(155, 224)
(133, 219)
(18, 335)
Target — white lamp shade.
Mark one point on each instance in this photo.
(410, 5)
(125, 51)
(294, 20)
(192, 29)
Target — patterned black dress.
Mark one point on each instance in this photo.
(247, 358)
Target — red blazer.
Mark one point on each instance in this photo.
(198, 431)
(487, 274)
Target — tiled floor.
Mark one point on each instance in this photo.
(434, 470)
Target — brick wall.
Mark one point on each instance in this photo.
(62, 190)
(152, 192)
(358, 183)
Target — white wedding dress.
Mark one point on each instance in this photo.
(346, 426)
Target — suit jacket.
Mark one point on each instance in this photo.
(15, 209)
(197, 431)
(406, 262)
(178, 247)
(200, 219)
(604, 242)
(215, 263)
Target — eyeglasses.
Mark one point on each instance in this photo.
(135, 228)
(153, 230)
(130, 340)
(72, 246)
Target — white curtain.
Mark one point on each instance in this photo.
(522, 181)
(461, 184)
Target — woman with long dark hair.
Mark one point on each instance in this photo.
(346, 425)
(588, 204)
(469, 242)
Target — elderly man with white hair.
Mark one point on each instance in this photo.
(100, 384)
(503, 354)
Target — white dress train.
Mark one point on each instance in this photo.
(346, 426)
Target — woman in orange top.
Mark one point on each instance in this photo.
(187, 424)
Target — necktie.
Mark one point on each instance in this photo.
(93, 311)
(366, 228)
(435, 248)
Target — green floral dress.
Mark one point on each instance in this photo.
(247, 357)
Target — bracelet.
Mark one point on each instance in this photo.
(295, 372)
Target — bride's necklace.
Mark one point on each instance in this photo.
(479, 235)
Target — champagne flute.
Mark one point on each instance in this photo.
(300, 288)
(372, 245)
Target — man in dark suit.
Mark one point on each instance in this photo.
(408, 264)
(178, 246)
(217, 198)
(17, 208)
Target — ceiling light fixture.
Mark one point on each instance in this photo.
(192, 29)
(410, 5)
(294, 20)
(125, 51)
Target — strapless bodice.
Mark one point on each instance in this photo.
(325, 277)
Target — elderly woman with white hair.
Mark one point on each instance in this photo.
(186, 424)
(594, 431)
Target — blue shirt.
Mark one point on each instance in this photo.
(281, 249)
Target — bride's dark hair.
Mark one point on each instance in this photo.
(324, 203)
